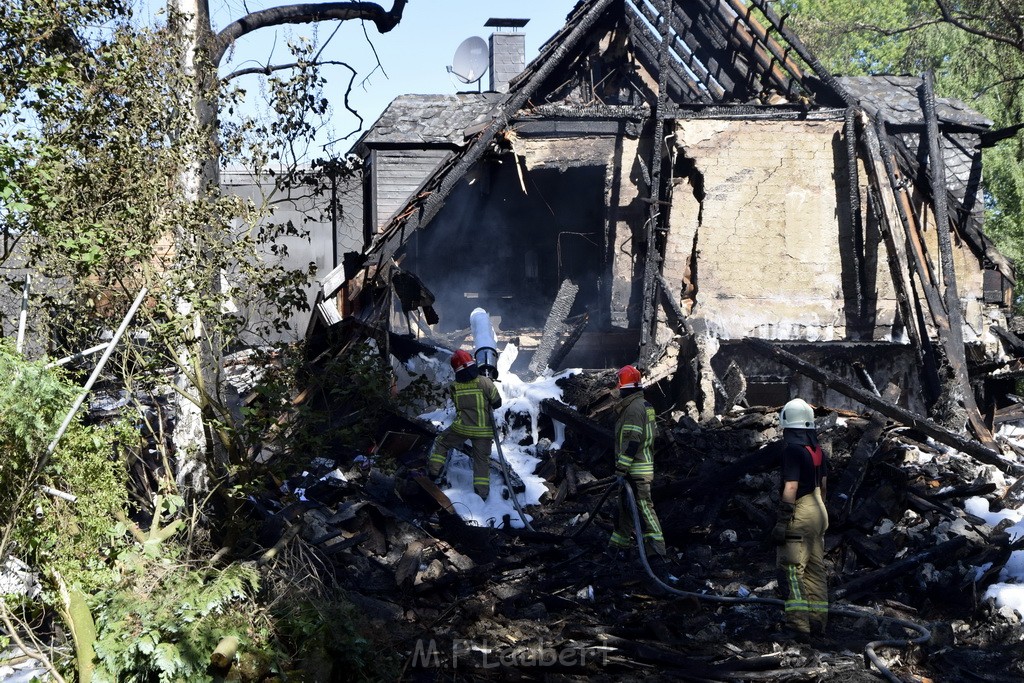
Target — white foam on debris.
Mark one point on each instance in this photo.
(519, 399)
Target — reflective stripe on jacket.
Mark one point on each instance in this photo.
(474, 401)
(635, 423)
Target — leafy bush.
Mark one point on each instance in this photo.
(51, 531)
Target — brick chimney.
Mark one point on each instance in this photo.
(507, 51)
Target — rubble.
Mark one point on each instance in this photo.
(919, 534)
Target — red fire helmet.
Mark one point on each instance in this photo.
(461, 359)
(629, 377)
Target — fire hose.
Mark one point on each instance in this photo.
(505, 474)
(869, 650)
(870, 655)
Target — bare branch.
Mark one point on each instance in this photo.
(896, 31)
(304, 14)
(5, 617)
(269, 69)
(959, 21)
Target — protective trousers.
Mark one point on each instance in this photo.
(654, 540)
(448, 440)
(801, 563)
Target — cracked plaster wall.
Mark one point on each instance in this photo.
(768, 247)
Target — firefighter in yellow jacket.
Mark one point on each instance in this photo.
(634, 440)
(801, 524)
(475, 398)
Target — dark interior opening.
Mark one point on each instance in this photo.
(495, 247)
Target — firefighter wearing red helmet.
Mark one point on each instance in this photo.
(475, 398)
(634, 440)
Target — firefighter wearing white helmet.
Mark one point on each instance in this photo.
(802, 520)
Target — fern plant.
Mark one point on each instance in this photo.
(163, 619)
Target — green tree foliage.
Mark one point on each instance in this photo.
(100, 138)
(977, 53)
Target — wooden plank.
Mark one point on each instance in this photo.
(844, 492)
(435, 493)
(897, 257)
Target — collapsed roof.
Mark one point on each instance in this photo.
(702, 74)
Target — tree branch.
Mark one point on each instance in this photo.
(268, 69)
(958, 21)
(304, 14)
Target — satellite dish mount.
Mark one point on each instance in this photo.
(470, 62)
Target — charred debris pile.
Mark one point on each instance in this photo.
(907, 540)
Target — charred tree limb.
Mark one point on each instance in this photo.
(901, 415)
(306, 13)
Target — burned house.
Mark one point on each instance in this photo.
(665, 182)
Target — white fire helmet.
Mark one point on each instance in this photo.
(796, 415)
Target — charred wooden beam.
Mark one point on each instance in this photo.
(865, 378)
(1014, 496)
(430, 202)
(861, 585)
(827, 78)
(955, 348)
(744, 41)
(845, 491)
(853, 200)
(901, 415)
(1013, 343)
(922, 264)
(706, 89)
(652, 259)
(788, 73)
(677, 77)
(570, 341)
(902, 284)
(707, 47)
(581, 424)
(555, 325)
(963, 491)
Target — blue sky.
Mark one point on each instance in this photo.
(414, 55)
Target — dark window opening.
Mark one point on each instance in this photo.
(495, 247)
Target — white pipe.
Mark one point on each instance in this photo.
(58, 494)
(80, 354)
(94, 376)
(24, 312)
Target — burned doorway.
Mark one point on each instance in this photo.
(506, 240)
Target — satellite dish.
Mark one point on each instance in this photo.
(470, 61)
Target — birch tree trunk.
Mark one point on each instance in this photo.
(199, 362)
